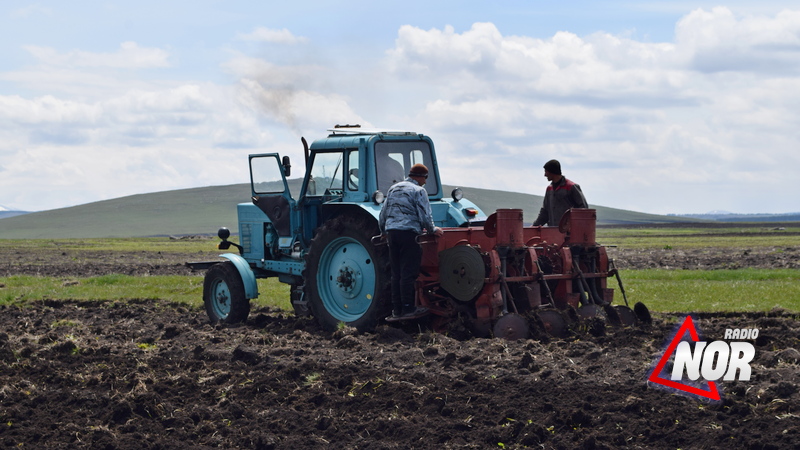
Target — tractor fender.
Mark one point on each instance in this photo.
(352, 209)
(248, 277)
(445, 213)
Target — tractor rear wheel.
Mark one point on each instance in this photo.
(347, 278)
(223, 294)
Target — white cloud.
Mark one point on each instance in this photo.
(718, 102)
(564, 65)
(182, 111)
(139, 141)
(88, 75)
(717, 40)
(16, 110)
(129, 56)
(689, 125)
(282, 36)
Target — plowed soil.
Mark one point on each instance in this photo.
(152, 374)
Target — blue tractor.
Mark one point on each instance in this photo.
(320, 243)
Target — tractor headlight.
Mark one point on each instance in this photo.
(224, 233)
(457, 194)
(378, 197)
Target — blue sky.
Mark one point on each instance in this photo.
(661, 107)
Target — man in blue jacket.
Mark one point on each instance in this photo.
(406, 214)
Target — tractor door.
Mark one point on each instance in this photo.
(333, 177)
(270, 191)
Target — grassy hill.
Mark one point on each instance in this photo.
(204, 210)
(4, 214)
(490, 200)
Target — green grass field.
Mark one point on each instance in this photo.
(111, 245)
(661, 290)
(650, 238)
(18, 290)
(713, 290)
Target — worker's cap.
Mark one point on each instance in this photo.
(418, 170)
(553, 167)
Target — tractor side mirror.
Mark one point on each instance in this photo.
(287, 166)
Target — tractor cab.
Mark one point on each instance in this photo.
(348, 172)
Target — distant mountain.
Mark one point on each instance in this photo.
(204, 210)
(7, 212)
(724, 216)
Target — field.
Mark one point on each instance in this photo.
(89, 361)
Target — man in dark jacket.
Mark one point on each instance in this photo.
(561, 195)
(405, 214)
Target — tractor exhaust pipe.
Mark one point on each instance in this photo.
(305, 149)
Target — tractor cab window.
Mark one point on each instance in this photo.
(267, 175)
(395, 158)
(330, 170)
(352, 171)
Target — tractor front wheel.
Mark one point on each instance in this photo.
(223, 294)
(347, 277)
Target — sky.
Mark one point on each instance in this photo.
(665, 107)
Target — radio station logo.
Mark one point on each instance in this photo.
(697, 365)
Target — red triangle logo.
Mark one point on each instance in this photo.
(687, 326)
